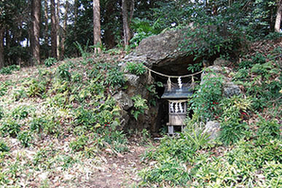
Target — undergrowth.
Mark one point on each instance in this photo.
(247, 151)
(54, 117)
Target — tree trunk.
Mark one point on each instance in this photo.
(8, 45)
(64, 29)
(75, 24)
(126, 31)
(278, 17)
(132, 6)
(35, 17)
(96, 26)
(109, 37)
(46, 28)
(53, 30)
(46, 22)
(1, 47)
(58, 29)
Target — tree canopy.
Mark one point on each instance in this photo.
(234, 22)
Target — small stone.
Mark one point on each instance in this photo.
(108, 150)
(43, 176)
(212, 128)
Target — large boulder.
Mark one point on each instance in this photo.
(163, 53)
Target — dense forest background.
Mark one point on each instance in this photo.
(33, 30)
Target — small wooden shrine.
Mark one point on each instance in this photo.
(177, 97)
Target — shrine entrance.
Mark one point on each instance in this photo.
(173, 102)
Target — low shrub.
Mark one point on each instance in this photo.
(135, 68)
(3, 146)
(63, 72)
(10, 128)
(20, 112)
(35, 88)
(268, 130)
(50, 62)
(115, 77)
(9, 69)
(79, 144)
(206, 99)
(25, 137)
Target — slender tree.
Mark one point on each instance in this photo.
(126, 31)
(96, 26)
(58, 28)
(75, 34)
(35, 46)
(278, 16)
(64, 29)
(46, 18)
(53, 30)
(132, 7)
(109, 27)
(1, 46)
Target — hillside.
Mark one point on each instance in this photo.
(60, 127)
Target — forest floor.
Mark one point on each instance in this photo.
(117, 171)
(48, 160)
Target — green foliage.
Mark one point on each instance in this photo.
(117, 139)
(79, 144)
(262, 69)
(10, 127)
(207, 97)
(63, 72)
(195, 67)
(198, 138)
(50, 62)
(9, 69)
(139, 106)
(44, 158)
(1, 112)
(232, 131)
(168, 172)
(245, 64)
(19, 94)
(115, 77)
(142, 29)
(20, 112)
(241, 165)
(153, 92)
(37, 124)
(34, 88)
(268, 130)
(3, 88)
(3, 146)
(173, 156)
(272, 172)
(82, 50)
(25, 137)
(52, 127)
(135, 68)
(242, 74)
(232, 127)
(85, 117)
(258, 58)
(234, 106)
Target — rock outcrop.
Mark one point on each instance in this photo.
(136, 85)
(229, 88)
(163, 53)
